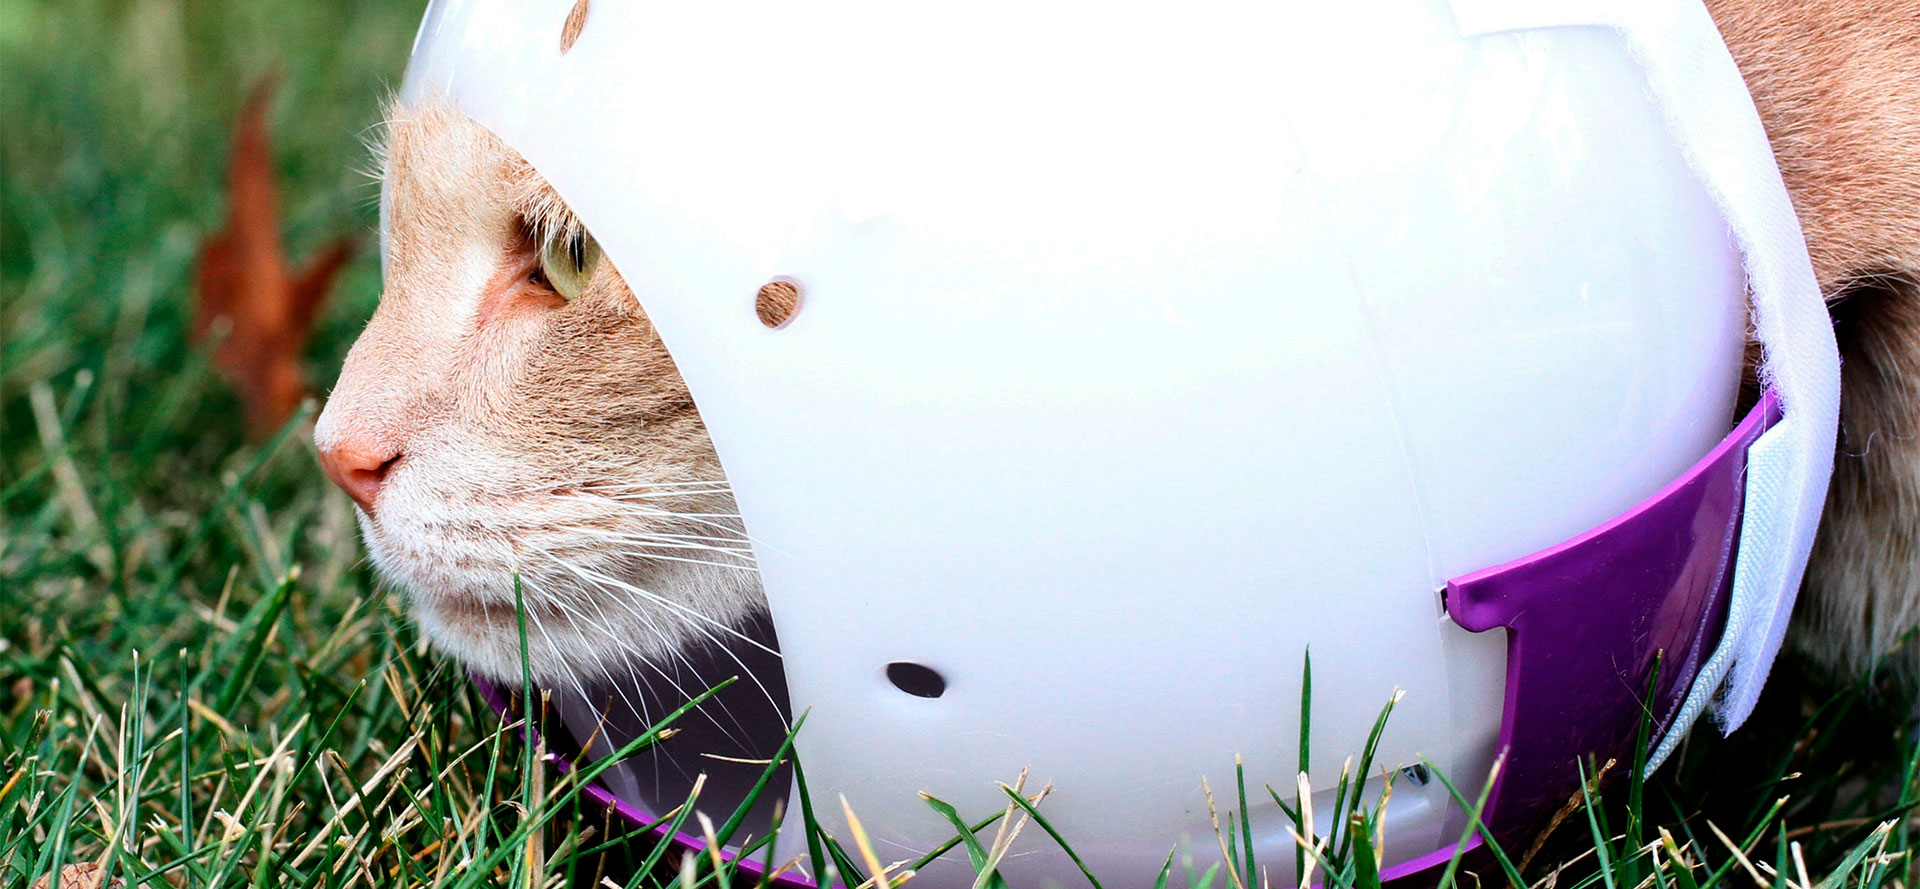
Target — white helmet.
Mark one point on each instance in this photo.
(1143, 348)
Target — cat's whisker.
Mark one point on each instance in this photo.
(598, 581)
(532, 618)
(666, 552)
(642, 546)
(598, 502)
(706, 537)
(672, 489)
(620, 688)
(670, 494)
(645, 691)
(669, 543)
(715, 482)
(583, 622)
(684, 540)
(675, 651)
(703, 684)
(603, 581)
(657, 557)
(645, 488)
(529, 584)
(765, 692)
(727, 525)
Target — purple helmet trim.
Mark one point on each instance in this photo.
(1589, 617)
(1587, 620)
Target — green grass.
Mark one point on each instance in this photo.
(202, 685)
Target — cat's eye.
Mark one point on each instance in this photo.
(566, 263)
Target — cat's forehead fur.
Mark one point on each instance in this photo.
(449, 174)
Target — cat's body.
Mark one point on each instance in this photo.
(489, 425)
(1837, 83)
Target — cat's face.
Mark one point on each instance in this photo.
(509, 411)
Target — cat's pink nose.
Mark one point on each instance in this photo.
(359, 470)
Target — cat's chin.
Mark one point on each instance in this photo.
(602, 591)
(591, 636)
(591, 616)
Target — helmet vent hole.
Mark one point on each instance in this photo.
(1418, 774)
(916, 680)
(570, 30)
(776, 302)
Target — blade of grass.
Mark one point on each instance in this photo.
(976, 853)
(1034, 813)
(1306, 737)
(1246, 818)
(1474, 824)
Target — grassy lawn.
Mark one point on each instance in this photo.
(201, 683)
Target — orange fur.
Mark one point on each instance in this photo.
(1837, 83)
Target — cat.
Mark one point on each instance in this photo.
(510, 409)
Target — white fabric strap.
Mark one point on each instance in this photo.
(1693, 78)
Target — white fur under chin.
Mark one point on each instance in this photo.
(596, 603)
(567, 653)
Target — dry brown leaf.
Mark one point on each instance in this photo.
(260, 310)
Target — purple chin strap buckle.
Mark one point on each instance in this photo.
(1587, 622)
